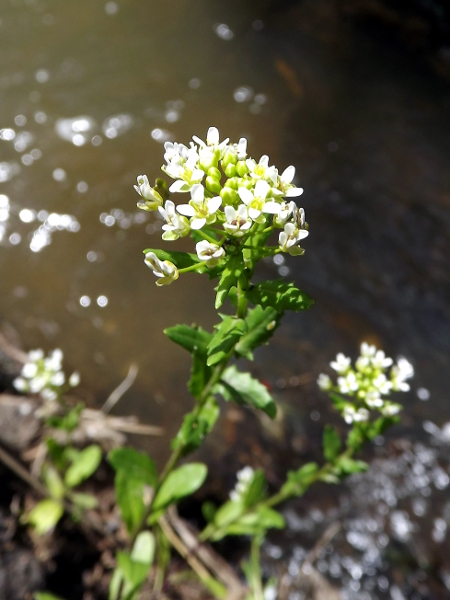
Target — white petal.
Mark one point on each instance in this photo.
(213, 204)
(230, 213)
(261, 188)
(198, 192)
(293, 192)
(245, 195)
(264, 160)
(254, 213)
(212, 137)
(197, 223)
(288, 174)
(197, 175)
(179, 186)
(198, 140)
(272, 207)
(302, 234)
(187, 210)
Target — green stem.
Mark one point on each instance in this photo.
(242, 302)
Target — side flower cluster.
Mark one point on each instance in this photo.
(231, 196)
(43, 375)
(368, 383)
(244, 480)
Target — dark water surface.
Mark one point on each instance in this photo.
(90, 90)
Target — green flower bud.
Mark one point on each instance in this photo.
(213, 185)
(207, 162)
(241, 168)
(247, 183)
(232, 183)
(214, 172)
(229, 196)
(230, 170)
(229, 158)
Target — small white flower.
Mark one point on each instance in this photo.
(256, 201)
(58, 379)
(237, 221)
(261, 170)
(382, 384)
(285, 212)
(200, 209)
(352, 415)
(341, 364)
(324, 382)
(241, 149)
(176, 153)
(405, 367)
(37, 384)
(74, 379)
(290, 238)
(212, 140)
(176, 226)
(244, 479)
(49, 395)
(151, 196)
(286, 178)
(54, 360)
(29, 370)
(246, 474)
(165, 270)
(210, 253)
(362, 362)
(373, 399)
(380, 361)
(348, 383)
(35, 355)
(20, 384)
(390, 409)
(367, 351)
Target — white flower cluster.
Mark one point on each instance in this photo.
(368, 382)
(43, 375)
(244, 480)
(230, 201)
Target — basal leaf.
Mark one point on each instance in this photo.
(45, 515)
(242, 388)
(130, 499)
(191, 338)
(84, 464)
(230, 274)
(280, 295)
(261, 324)
(179, 483)
(228, 334)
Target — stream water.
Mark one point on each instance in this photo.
(91, 90)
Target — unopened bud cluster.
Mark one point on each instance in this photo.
(367, 382)
(43, 375)
(232, 197)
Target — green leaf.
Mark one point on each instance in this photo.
(348, 466)
(279, 295)
(180, 259)
(45, 596)
(228, 334)
(53, 482)
(136, 465)
(379, 426)
(242, 388)
(256, 490)
(256, 523)
(228, 512)
(45, 515)
(130, 499)
(209, 510)
(331, 443)
(68, 422)
(84, 464)
(134, 567)
(84, 501)
(196, 427)
(230, 274)
(299, 481)
(190, 338)
(200, 374)
(179, 483)
(261, 324)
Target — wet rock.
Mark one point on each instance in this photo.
(18, 424)
(20, 575)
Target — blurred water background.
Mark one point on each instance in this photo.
(355, 95)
